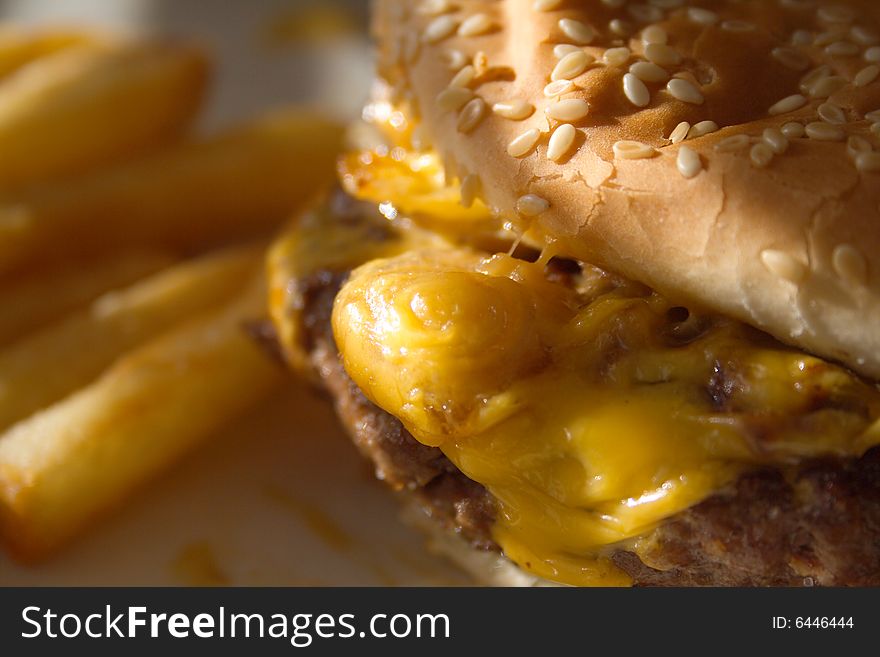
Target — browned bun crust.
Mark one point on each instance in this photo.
(790, 245)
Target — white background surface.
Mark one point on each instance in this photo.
(281, 498)
(251, 73)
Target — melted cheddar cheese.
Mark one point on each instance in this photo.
(407, 179)
(416, 183)
(581, 410)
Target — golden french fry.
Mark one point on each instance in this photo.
(80, 108)
(19, 46)
(242, 183)
(62, 467)
(47, 365)
(48, 294)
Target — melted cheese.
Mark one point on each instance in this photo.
(325, 239)
(407, 179)
(583, 414)
(414, 182)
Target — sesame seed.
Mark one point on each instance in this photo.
(619, 27)
(616, 56)
(856, 145)
(687, 75)
(455, 59)
(561, 141)
(572, 65)
(662, 54)
(842, 49)
(827, 38)
(801, 38)
(872, 54)
(558, 88)
(866, 76)
(688, 162)
(791, 58)
(471, 115)
(863, 35)
(452, 99)
(470, 189)
(732, 144)
(821, 131)
(873, 117)
(787, 104)
(809, 79)
(776, 140)
(761, 155)
(835, 14)
(831, 113)
(680, 132)
(636, 91)
(645, 13)
(515, 110)
(702, 128)
(826, 86)
(580, 33)
(737, 26)
(684, 91)
(571, 109)
(531, 205)
(793, 130)
(464, 77)
(614, 4)
(654, 34)
(546, 5)
(475, 25)
(632, 150)
(523, 144)
(783, 265)
(439, 29)
(850, 264)
(435, 7)
(875, 129)
(649, 72)
(702, 16)
(868, 162)
(560, 50)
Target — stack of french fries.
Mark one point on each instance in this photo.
(130, 261)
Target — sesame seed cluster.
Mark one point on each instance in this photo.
(825, 55)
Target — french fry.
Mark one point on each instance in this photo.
(80, 108)
(68, 464)
(47, 365)
(19, 46)
(240, 184)
(49, 294)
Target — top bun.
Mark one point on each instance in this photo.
(768, 212)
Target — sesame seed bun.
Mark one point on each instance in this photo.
(772, 216)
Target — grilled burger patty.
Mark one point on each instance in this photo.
(768, 529)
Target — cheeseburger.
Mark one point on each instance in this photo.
(599, 293)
